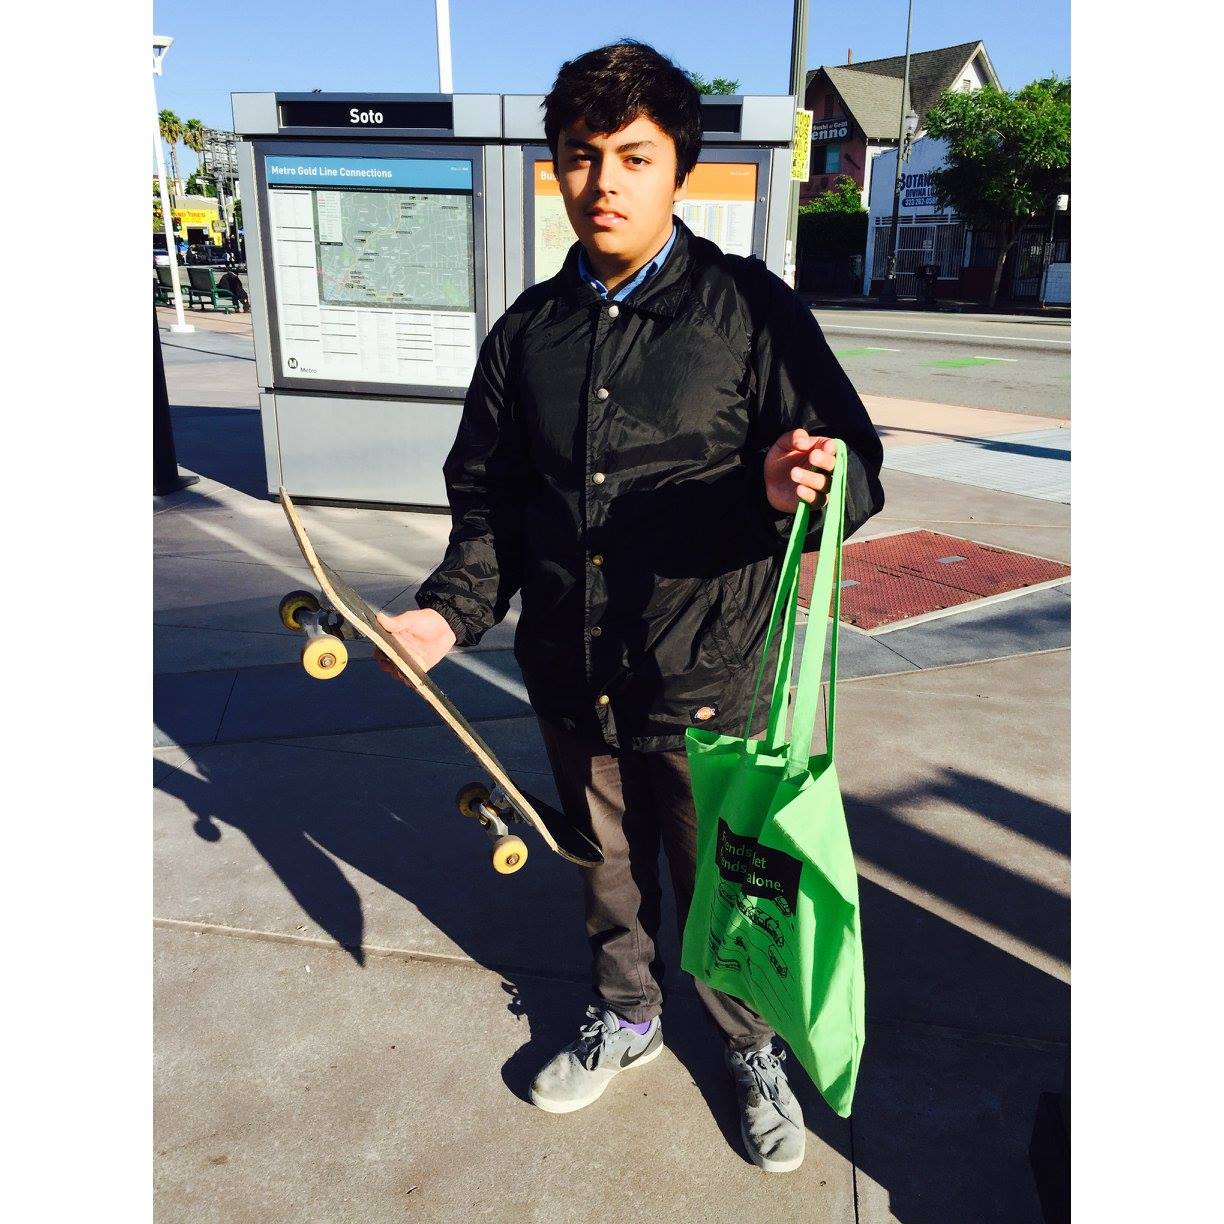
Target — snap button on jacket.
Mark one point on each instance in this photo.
(610, 469)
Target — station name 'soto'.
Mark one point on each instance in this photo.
(360, 116)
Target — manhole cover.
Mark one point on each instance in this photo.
(913, 574)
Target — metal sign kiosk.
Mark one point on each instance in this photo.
(737, 197)
(375, 254)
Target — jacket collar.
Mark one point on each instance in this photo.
(661, 295)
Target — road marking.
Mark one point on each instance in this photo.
(898, 331)
(958, 363)
(862, 352)
(981, 358)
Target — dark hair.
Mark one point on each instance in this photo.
(611, 86)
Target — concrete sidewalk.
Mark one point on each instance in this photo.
(350, 1005)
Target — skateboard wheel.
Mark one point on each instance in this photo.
(324, 657)
(470, 797)
(292, 604)
(509, 854)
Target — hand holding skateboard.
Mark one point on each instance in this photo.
(422, 632)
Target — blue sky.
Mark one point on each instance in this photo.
(516, 46)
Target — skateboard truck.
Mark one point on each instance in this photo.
(325, 655)
(495, 810)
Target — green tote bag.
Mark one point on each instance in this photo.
(775, 914)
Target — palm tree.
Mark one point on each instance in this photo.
(171, 127)
(193, 138)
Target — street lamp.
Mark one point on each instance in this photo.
(161, 44)
(905, 133)
(908, 128)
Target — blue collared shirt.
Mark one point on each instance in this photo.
(642, 275)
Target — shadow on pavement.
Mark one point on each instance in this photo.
(222, 444)
(963, 1036)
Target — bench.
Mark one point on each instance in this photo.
(202, 288)
(163, 286)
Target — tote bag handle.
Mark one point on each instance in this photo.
(826, 593)
(785, 607)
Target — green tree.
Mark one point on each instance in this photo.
(833, 225)
(719, 85)
(171, 127)
(1009, 156)
(845, 196)
(199, 184)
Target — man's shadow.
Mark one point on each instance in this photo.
(305, 822)
(307, 811)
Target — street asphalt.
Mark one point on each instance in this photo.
(1016, 364)
(349, 1005)
(979, 361)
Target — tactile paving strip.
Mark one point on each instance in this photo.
(914, 573)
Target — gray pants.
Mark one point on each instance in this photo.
(630, 800)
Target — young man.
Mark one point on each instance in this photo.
(632, 449)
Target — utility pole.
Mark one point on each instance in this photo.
(222, 210)
(446, 83)
(889, 292)
(798, 87)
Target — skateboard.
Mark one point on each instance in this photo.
(342, 614)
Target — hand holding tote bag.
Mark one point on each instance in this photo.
(775, 913)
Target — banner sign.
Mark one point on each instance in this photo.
(917, 191)
(830, 129)
(421, 173)
(801, 157)
(361, 114)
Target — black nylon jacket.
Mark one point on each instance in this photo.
(608, 464)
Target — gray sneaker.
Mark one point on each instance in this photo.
(580, 1072)
(771, 1121)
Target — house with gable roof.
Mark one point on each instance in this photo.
(857, 108)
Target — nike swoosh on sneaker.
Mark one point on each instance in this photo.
(627, 1059)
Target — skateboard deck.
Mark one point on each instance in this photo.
(325, 656)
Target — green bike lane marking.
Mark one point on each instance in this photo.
(959, 363)
(949, 363)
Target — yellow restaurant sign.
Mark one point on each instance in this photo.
(195, 216)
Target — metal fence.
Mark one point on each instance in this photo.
(1028, 262)
(1025, 264)
(939, 243)
(944, 244)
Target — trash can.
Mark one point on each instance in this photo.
(929, 274)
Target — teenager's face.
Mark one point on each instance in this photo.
(619, 189)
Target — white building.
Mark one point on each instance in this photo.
(931, 235)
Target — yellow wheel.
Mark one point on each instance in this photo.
(470, 797)
(324, 657)
(509, 854)
(292, 604)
